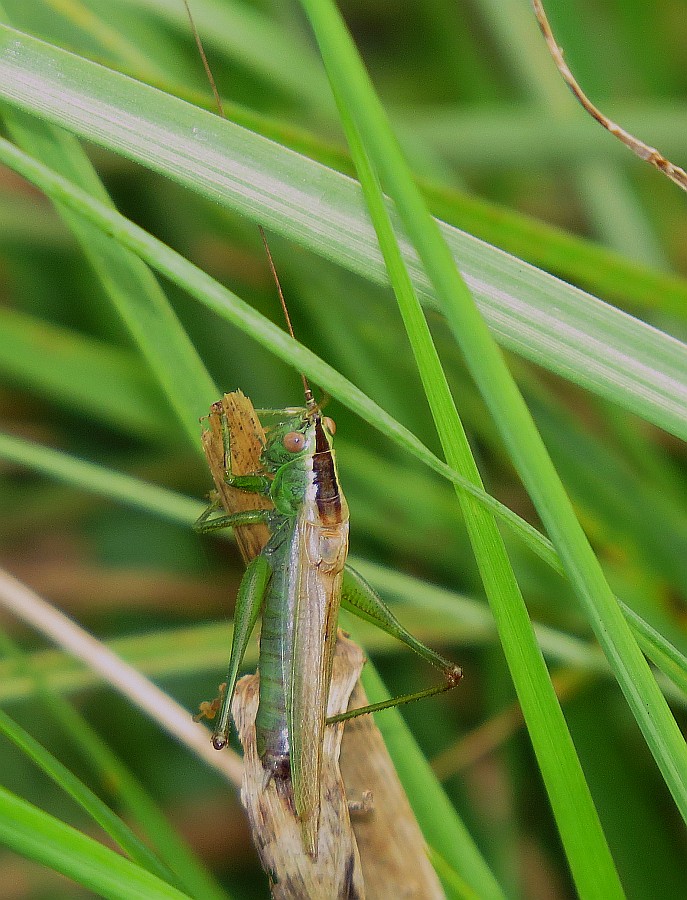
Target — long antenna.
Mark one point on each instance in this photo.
(309, 401)
(206, 64)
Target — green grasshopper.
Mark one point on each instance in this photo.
(298, 582)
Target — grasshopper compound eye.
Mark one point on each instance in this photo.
(294, 441)
(329, 424)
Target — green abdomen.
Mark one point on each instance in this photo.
(276, 653)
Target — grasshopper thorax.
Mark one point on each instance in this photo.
(299, 453)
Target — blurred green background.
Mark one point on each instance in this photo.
(501, 151)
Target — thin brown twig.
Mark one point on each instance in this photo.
(642, 150)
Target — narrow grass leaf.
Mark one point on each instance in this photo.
(556, 325)
(510, 415)
(38, 836)
(571, 800)
(100, 480)
(93, 805)
(126, 280)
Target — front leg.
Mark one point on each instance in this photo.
(205, 523)
(252, 484)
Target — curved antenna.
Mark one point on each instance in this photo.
(206, 64)
(309, 399)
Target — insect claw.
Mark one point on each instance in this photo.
(454, 676)
(219, 741)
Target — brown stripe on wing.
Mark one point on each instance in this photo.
(327, 492)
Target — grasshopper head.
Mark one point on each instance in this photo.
(297, 437)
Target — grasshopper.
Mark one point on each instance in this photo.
(298, 582)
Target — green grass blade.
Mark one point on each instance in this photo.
(232, 308)
(573, 807)
(38, 836)
(93, 805)
(101, 481)
(129, 284)
(584, 339)
(51, 361)
(510, 414)
(664, 655)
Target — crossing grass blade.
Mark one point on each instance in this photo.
(512, 418)
(572, 804)
(322, 216)
(586, 341)
(39, 836)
